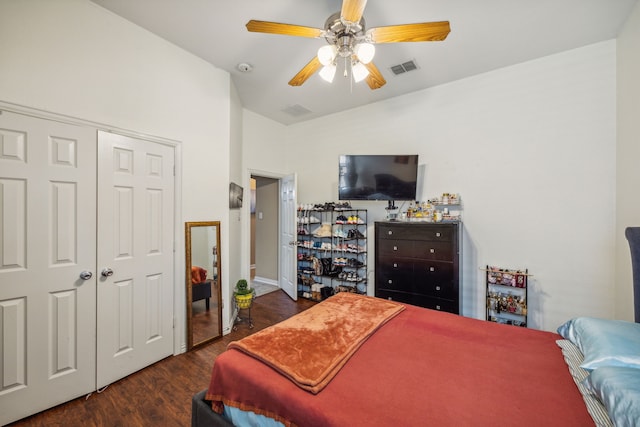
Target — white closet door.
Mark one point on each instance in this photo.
(135, 243)
(47, 239)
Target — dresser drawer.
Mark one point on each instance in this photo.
(420, 300)
(432, 232)
(394, 231)
(396, 248)
(399, 277)
(434, 250)
(427, 270)
(435, 289)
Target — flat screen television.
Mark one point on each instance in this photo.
(378, 177)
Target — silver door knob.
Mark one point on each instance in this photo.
(86, 275)
(106, 272)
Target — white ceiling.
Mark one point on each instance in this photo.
(485, 35)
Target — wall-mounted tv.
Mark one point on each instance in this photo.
(378, 177)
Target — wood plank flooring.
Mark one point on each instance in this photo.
(160, 395)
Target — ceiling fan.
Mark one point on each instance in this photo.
(348, 40)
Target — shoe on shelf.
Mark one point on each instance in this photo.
(341, 219)
(323, 231)
(355, 263)
(340, 233)
(357, 234)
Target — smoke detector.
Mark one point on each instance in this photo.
(244, 67)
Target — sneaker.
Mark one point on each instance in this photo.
(355, 263)
(357, 234)
(340, 233)
(341, 219)
(323, 231)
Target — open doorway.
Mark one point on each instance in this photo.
(264, 234)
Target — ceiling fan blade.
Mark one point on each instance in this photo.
(374, 79)
(352, 10)
(285, 29)
(422, 32)
(306, 72)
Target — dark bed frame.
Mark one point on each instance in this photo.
(203, 415)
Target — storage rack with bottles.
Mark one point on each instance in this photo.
(332, 252)
(507, 295)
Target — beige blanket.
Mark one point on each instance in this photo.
(311, 347)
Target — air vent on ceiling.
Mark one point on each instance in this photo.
(405, 67)
(296, 110)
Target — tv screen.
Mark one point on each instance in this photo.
(378, 177)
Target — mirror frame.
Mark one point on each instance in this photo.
(189, 294)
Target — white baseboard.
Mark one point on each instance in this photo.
(266, 281)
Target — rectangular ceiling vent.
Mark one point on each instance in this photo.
(405, 67)
(296, 110)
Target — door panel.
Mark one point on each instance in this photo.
(135, 235)
(47, 230)
(288, 236)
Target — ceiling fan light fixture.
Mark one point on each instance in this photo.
(328, 72)
(326, 54)
(365, 52)
(359, 71)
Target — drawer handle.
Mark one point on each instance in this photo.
(390, 282)
(437, 288)
(395, 248)
(389, 233)
(438, 234)
(432, 269)
(433, 251)
(395, 265)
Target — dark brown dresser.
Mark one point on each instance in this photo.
(419, 263)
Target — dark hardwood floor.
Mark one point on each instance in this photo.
(160, 395)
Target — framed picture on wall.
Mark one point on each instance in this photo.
(235, 196)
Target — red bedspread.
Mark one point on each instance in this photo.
(423, 368)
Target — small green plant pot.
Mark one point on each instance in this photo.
(244, 301)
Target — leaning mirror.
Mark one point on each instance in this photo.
(204, 310)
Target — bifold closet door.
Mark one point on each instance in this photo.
(135, 255)
(47, 263)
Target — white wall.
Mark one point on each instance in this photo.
(263, 140)
(530, 148)
(72, 57)
(628, 172)
(236, 266)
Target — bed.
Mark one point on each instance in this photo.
(422, 367)
(415, 367)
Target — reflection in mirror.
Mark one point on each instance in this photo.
(204, 308)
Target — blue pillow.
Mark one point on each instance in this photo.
(618, 389)
(604, 342)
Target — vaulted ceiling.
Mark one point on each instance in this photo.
(485, 35)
